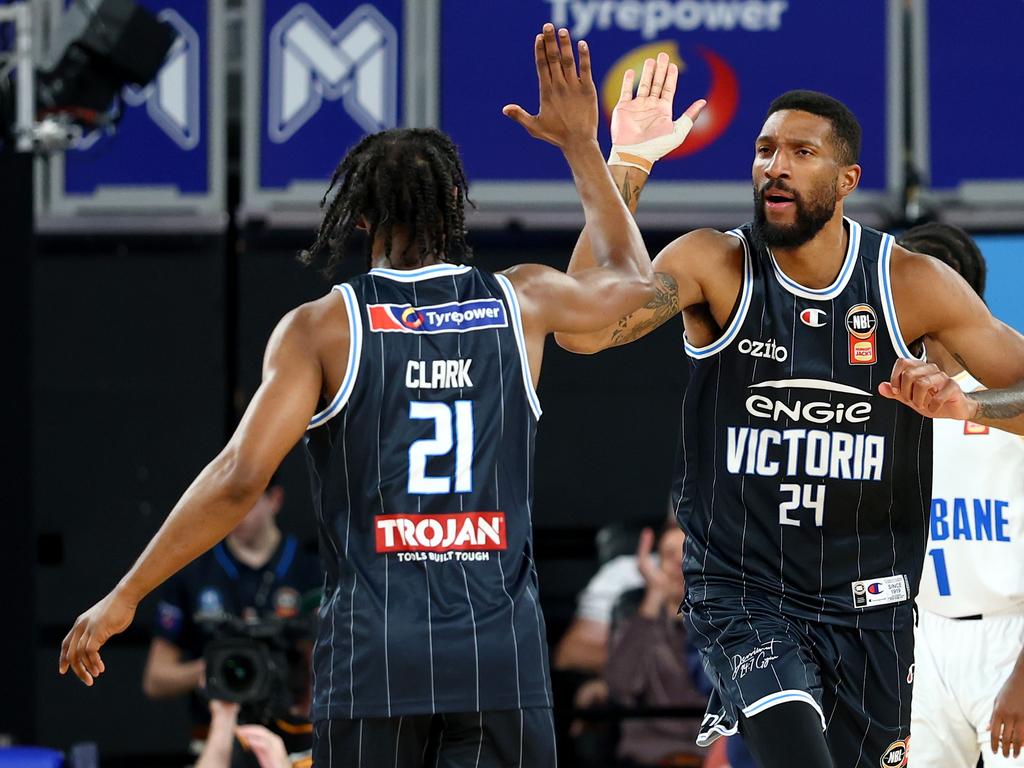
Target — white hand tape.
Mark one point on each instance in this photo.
(644, 154)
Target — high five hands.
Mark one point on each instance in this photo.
(568, 101)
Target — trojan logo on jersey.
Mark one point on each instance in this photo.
(895, 755)
(861, 324)
(815, 318)
(465, 531)
(454, 317)
(722, 90)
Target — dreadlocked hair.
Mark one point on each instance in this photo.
(950, 245)
(407, 178)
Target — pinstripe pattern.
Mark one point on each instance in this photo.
(760, 571)
(416, 630)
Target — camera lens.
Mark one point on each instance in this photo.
(239, 672)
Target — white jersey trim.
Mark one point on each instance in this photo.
(421, 273)
(746, 291)
(781, 697)
(888, 304)
(355, 351)
(517, 328)
(838, 286)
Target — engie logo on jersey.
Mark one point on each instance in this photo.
(455, 317)
(861, 324)
(464, 531)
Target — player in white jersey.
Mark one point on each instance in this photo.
(969, 674)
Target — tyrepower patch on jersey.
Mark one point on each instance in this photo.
(463, 531)
(455, 317)
(861, 324)
(883, 591)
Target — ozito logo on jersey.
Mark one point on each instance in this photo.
(454, 317)
(861, 324)
(463, 531)
(815, 318)
(895, 755)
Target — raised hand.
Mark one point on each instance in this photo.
(80, 650)
(647, 116)
(568, 101)
(929, 391)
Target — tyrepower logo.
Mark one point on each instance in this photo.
(464, 531)
(455, 317)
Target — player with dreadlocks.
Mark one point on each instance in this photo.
(410, 178)
(415, 385)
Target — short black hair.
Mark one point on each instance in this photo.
(950, 245)
(406, 177)
(845, 127)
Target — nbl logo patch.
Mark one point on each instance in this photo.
(454, 317)
(861, 324)
(895, 756)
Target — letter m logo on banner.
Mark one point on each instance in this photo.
(309, 61)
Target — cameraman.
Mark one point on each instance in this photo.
(255, 572)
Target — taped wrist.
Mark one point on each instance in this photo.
(646, 153)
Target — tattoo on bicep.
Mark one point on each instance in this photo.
(654, 313)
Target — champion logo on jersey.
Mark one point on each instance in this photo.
(815, 318)
(464, 531)
(454, 317)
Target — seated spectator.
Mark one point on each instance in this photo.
(230, 745)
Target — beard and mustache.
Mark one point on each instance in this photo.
(811, 215)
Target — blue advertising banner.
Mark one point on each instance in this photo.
(975, 78)
(738, 54)
(326, 74)
(167, 153)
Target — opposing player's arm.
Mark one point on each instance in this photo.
(226, 489)
(933, 300)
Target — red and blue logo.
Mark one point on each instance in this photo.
(876, 589)
(454, 317)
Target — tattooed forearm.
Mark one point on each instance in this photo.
(630, 192)
(663, 307)
(1000, 404)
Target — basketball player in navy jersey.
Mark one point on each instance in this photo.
(415, 386)
(803, 486)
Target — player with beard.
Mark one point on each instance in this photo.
(804, 480)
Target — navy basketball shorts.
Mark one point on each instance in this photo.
(859, 681)
(517, 738)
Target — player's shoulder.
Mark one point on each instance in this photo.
(319, 319)
(702, 248)
(917, 270)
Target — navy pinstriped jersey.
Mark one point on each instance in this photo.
(423, 486)
(797, 479)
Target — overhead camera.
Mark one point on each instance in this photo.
(103, 46)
